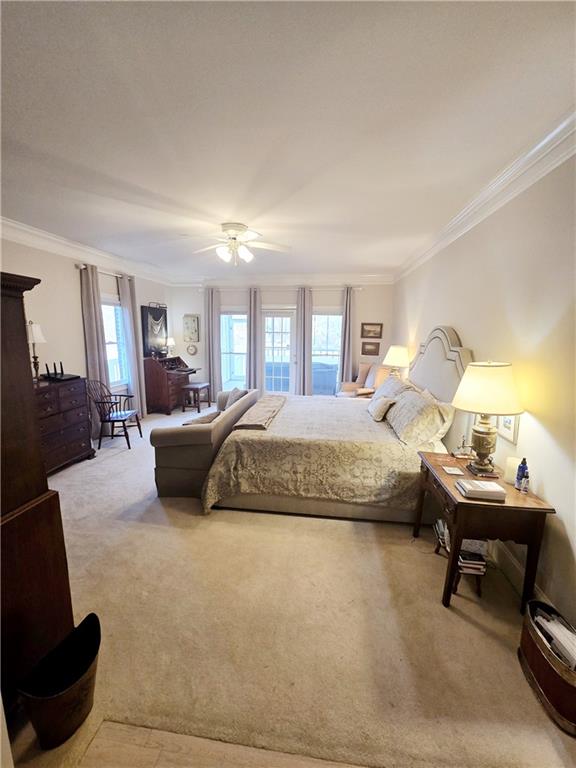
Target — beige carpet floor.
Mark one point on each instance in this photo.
(312, 636)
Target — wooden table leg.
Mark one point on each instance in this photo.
(420, 502)
(452, 568)
(532, 556)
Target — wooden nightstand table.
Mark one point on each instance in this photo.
(520, 518)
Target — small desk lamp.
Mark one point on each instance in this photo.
(487, 389)
(35, 336)
(396, 358)
(170, 343)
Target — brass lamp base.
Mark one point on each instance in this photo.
(483, 443)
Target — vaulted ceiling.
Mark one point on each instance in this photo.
(352, 132)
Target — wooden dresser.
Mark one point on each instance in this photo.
(36, 601)
(63, 413)
(165, 378)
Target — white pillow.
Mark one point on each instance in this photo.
(447, 411)
(379, 406)
(234, 396)
(363, 370)
(392, 387)
(415, 418)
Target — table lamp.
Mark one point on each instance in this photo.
(396, 358)
(170, 343)
(35, 336)
(487, 389)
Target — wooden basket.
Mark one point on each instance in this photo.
(551, 679)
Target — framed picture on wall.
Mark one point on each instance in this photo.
(154, 330)
(191, 328)
(371, 348)
(371, 330)
(507, 427)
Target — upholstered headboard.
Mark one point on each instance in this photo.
(438, 367)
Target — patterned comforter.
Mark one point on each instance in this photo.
(318, 448)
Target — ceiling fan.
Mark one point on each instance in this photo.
(231, 246)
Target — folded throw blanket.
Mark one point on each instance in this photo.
(261, 414)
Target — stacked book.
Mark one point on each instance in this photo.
(481, 489)
(472, 557)
(471, 562)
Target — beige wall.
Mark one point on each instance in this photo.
(54, 303)
(507, 287)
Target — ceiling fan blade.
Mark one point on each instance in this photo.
(208, 248)
(270, 246)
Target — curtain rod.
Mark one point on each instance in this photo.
(226, 288)
(103, 272)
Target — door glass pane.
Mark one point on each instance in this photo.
(233, 349)
(326, 345)
(277, 341)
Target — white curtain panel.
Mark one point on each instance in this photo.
(94, 339)
(212, 341)
(304, 342)
(346, 351)
(254, 360)
(136, 386)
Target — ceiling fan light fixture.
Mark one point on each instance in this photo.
(224, 253)
(245, 254)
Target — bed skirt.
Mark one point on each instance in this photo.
(292, 505)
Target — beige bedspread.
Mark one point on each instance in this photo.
(318, 448)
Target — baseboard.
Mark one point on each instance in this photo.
(511, 567)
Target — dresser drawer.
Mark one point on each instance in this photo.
(66, 436)
(72, 388)
(76, 450)
(73, 400)
(442, 496)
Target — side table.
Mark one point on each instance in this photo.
(520, 518)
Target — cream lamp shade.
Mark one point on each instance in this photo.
(397, 357)
(35, 335)
(170, 342)
(488, 388)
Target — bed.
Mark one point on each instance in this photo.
(326, 456)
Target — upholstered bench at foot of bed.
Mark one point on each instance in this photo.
(185, 454)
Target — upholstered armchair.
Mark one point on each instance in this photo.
(369, 378)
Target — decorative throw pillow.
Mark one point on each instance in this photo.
(234, 396)
(415, 418)
(379, 406)
(363, 369)
(447, 411)
(392, 387)
(375, 376)
(205, 419)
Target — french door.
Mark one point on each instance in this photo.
(279, 359)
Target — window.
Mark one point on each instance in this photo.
(326, 346)
(116, 356)
(233, 348)
(277, 345)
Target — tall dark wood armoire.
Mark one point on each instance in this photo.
(36, 602)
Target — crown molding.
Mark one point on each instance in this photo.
(312, 280)
(557, 146)
(24, 234)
